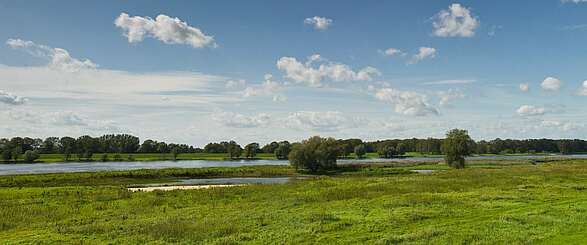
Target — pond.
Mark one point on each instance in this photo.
(70, 167)
(194, 184)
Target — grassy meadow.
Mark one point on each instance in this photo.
(490, 202)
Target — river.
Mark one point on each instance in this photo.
(71, 167)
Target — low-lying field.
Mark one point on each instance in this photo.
(503, 202)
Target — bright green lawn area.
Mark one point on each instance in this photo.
(499, 202)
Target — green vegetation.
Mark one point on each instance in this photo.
(497, 202)
(456, 146)
(314, 154)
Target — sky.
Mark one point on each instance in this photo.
(257, 71)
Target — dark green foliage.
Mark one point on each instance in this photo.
(456, 146)
(251, 150)
(360, 151)
(104, 157)
(233, 149)
(31, 156)
(282, 150)
(314, 154)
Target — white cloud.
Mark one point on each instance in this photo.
(583, 90)
(267, 88)
(317, 69)
(164, 28)
(529, 110)
(524, 87)
(73, 119)
(11, 99)
(574, 1)
(406, 102)
(319, 23)
(551, 84)
(321, 121)
(236, 84)
(59, 59)
(392, 52)
(423, 53)
(235, 120)
(457, 21)
(447, 97)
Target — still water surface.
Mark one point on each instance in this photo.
(70, 167)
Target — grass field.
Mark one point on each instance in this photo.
(503, 202)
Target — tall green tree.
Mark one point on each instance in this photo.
(315, 154)
(282, 151)
(456, 146)
(233, 149)
(360, 151)
(251, 150)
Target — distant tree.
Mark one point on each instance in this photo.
(31, 156)
(360, 151)
(233, 149)
(251, 150)
(6, 153)
(50, 145)
(67, 147)
(283, 150)
(270, 148)
(174, 153)
(456, 146)
(104, 157)
(16, 152)
(386, 150)
(314, 154)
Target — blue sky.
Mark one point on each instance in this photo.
(268, 70)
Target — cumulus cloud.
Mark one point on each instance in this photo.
(59, 59)
(321, 121)
(406, 102)
(457, 21)
(317, 69)
(319, 23)
(268, 88)
(529, 110)
(524, 87)
(73, 119)
(423, 53)
(561, 125)
(583, 90)
(551, 84)
(392, 52)
(574, 1)
(164, 28)
(11, 99)
(235, 120)
(447, 97)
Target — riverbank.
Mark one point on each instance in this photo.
(508, 202)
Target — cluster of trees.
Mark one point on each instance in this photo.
(85, 146)
(234, 150)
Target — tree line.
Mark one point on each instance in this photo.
(85, 146)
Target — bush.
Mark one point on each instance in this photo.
(31, 156)
(314, 154)
(104, 157)
(360, 151)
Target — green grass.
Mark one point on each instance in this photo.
(490, 202)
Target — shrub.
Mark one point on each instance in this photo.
(31, 156)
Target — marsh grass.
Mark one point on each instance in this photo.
(488, 203)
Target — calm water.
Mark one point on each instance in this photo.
(40, 168)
